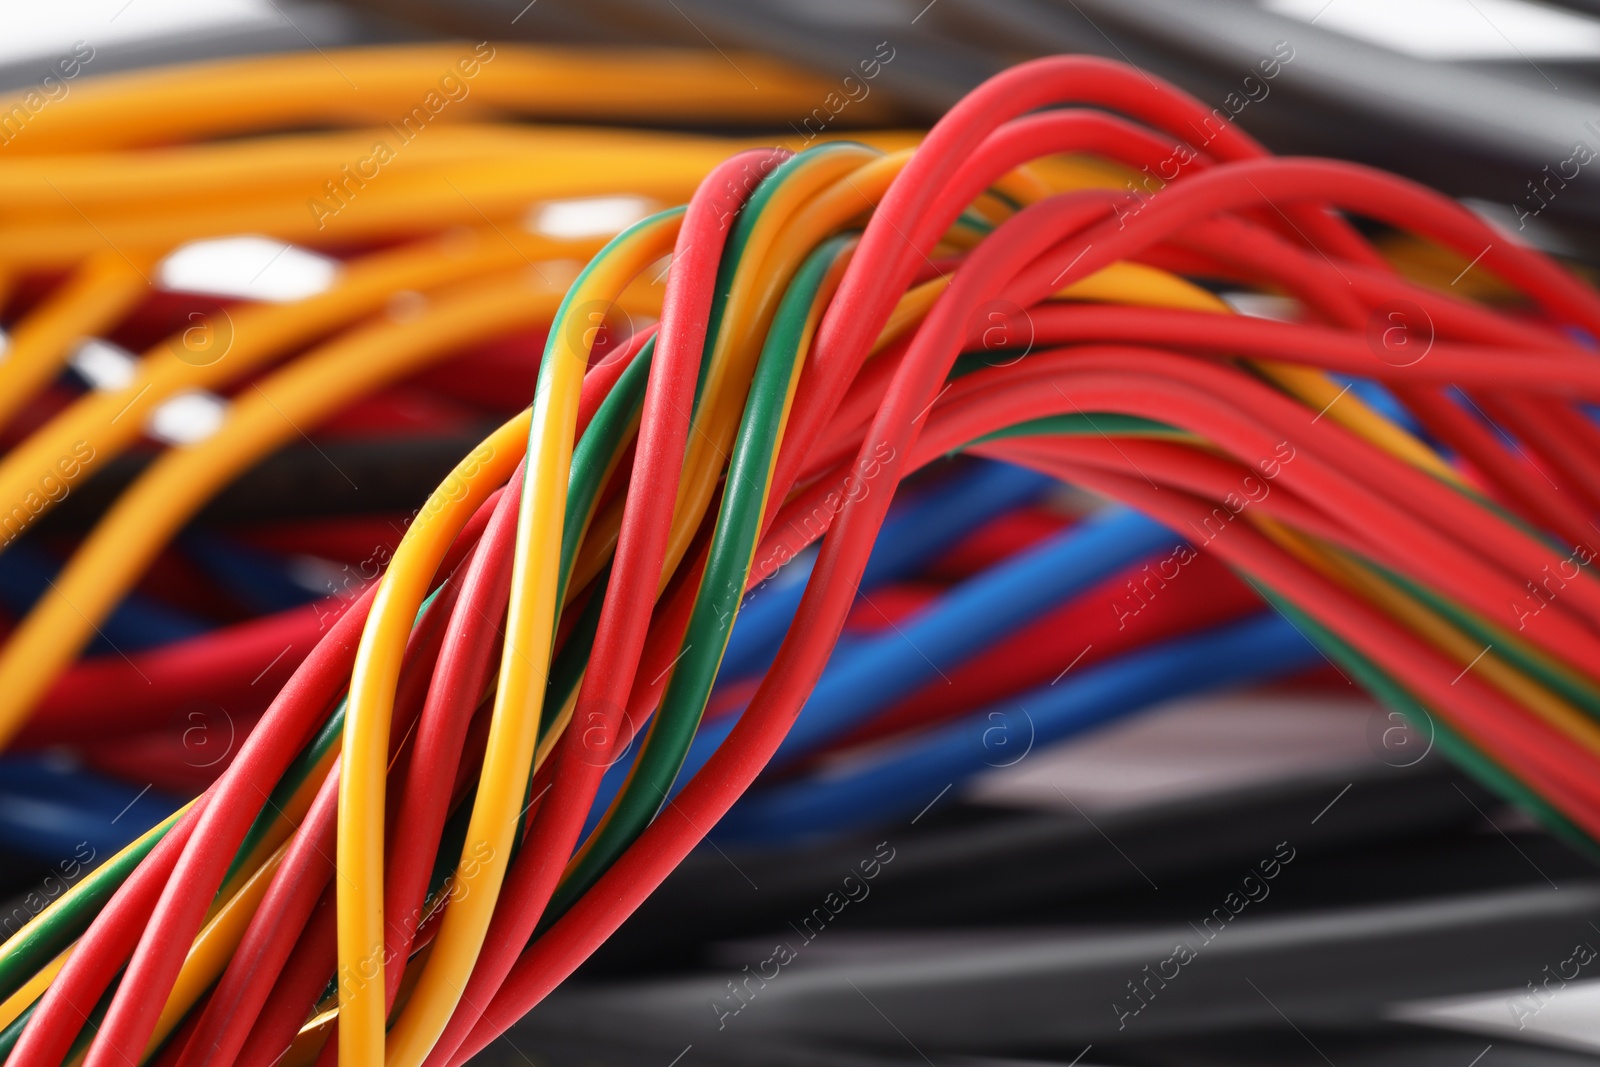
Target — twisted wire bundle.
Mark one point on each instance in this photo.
(399, 861)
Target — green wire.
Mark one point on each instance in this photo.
(602, 440)
(733, 259)
(44, 939)
(716, 605)
(733, 253)
(48, 936)
(1084, 424)
(1516, 653)
(1456, 748)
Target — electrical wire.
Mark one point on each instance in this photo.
(833, 321)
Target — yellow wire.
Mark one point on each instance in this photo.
(295, 166)
(34, 987)
(397, 205)
(1443, 634)
(212, 949)
(385, 85)
(359, 856)
(1139, 284)
(272, 413)
(103, 424)
(100, 291)
(514, 725)
(427, 193)
(773, 252)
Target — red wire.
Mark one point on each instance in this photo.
(1326, 288)
(458, 686)
(66, 1003)
(297, 989)
(1445, 561)
(584, 752)
(1515, 478)
(924, 191)
(111, 697)
(1080, 633)
(1356, 186)
(1522, 742)
(239, 795)
(1221, 336)
(1271, 262)
(1285, 269)
(1338, 486)
(1554, 432)
(257, 964)
(850, 324)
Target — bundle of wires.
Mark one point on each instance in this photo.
(421, 836)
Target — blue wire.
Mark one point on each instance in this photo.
(1377, 396)
(902, 780)
(258, 579)
(1459, 397)
(48, 809)
(913, 535)
(136, 623)
(869, 675)
(971, 617)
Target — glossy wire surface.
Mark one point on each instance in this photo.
(485, 759)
